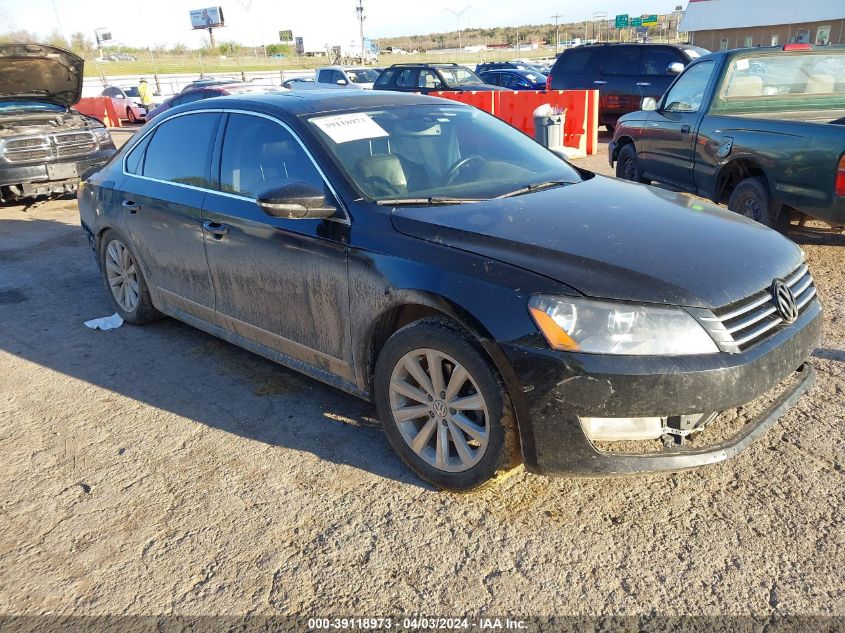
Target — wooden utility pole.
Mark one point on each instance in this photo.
(556, 16)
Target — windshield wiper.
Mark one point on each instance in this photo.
(535, 187)
(396, 202)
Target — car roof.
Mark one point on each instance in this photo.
(314, 101)
(418, 64)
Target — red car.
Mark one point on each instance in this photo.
(201, 93)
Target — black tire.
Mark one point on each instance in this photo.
(442, 335)
(130, 115)
(751, 199)
(628, 164)
(144, 312)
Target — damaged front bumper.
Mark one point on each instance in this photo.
(44, 179)
(559, 388)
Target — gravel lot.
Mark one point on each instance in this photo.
(158, 470)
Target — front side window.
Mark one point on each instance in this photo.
(688, 91)
(656, 61)
(459, 76)
(424, 151)
(362, 75)
(324, 77)
(385, 77)
(259, 155)
(428, 79)
(180, 150)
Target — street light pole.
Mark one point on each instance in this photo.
(458, 15)
(360, 11)
(557, 31)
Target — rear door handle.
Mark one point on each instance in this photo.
(217, 229)
(131, 206)
(643, 83)
(685, 129)
(599, 82)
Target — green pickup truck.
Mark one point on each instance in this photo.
(761, 130)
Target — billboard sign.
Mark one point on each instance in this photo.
(622, 21)
(649, 20)
(285, 36)
(208, 18)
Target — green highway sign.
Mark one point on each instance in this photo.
(636, 21)
(285, 36)
(649, 20)
(622, 21)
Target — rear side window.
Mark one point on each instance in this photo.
(134, 161)
(259, 155)
(574, 61)
(490, 78)
(180, 150)
(196, 95)
(406, 79)
(623, 60)
(385, 77)
(656, 61)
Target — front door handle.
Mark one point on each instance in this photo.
(217, 229)
(131, 206)
(643, 83)
(685, 129)
(599, 82)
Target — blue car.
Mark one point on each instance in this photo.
(515, 79)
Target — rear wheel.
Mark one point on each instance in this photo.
(751, 199)
(628, 165)
(443, 407)
(124, 280)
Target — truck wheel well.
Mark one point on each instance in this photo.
(734, 173)
(623, 141)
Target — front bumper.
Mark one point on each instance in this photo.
(47, 177)
(559, 387)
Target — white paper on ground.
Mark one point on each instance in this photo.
(343, 128)
(105, 323)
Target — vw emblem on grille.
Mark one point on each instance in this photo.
(785, 301)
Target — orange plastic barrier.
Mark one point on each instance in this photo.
(101, 108)
(517, 108)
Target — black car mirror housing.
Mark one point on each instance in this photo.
(295, 201)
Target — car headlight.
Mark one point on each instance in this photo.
(609, 327)
(102, 134)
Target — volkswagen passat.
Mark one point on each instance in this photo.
(497, 304)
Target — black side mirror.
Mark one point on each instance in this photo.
(295, 201)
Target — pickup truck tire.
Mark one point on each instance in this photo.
(751, 199)
(434, 387)
(628, 165)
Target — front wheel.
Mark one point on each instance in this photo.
(443, 407)
(130, 115)
(751, 199)
(628, 164)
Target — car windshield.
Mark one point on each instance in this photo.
(781, 81)
(426, 152)
(459, 76)
(362, 76)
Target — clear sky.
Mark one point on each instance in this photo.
(153, 22)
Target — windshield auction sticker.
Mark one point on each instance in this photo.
(343, 128)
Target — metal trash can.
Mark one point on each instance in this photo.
(548, 126)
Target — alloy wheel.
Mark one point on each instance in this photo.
(122, 276)
(439, 410)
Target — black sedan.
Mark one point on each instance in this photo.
(497, 304)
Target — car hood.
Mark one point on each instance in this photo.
(38, 72)
(616, 240)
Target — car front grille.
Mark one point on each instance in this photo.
(740, 325)
(62, 145)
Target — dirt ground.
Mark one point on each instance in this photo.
(158, 470)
